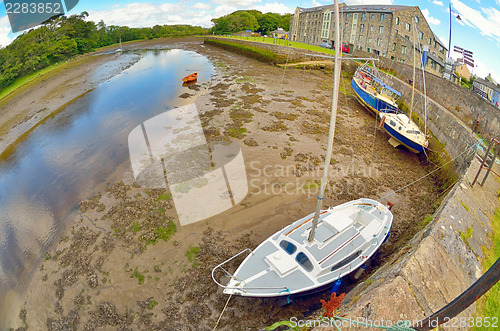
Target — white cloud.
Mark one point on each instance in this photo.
(317, 3)
(223, 10)
(142, 15)
(237, 3)
(431, 20)
(439, 3)
(274, 7)
(368, 2)
(4, 31)
(482, 70)
(201, 5)
(487, 22)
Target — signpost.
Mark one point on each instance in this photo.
(466, 59)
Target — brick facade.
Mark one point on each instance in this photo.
(387, 31)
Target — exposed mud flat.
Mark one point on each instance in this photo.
(126, 263)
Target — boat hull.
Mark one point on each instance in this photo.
(408, 143)
(190, 78)
(370, 102)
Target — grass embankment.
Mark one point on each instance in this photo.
(26, 79)
(283, 42)
(257, 53)
(489, 304)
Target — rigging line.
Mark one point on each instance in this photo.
(430, 173)
(223, 310)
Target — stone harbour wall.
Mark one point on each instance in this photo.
(461, 102)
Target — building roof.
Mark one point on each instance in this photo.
(373, 8)
(436, 38)
(487, 83)
(357, 8)
(435, 59)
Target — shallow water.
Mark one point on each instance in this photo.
(73, 155)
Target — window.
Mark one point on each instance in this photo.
(407, 38)
(361, 28)
(360, 38)
(368, 49)
(430, 41)
(379, 42)
(397, 20)
(382, 17)
(435, 44)
(416, 19)
(373, 16)
(355, 16)
(394, 46)
(392, 57)
(381, 29)
(288, 247)
(433, 65)
(441, 49)
(421, 35)
(304, 261)
(407, 26)
(369, 40)
(346, 261)
(397, 32)
(403, 49)
(347, 16)
(371, 28)
(363, 17)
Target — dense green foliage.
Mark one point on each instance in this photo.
(61, 38)
(253, 20)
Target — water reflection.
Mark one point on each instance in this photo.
(62, 161)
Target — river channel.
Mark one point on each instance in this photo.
(78, 152)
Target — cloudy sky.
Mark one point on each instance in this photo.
(477, 31)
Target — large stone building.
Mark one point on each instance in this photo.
(386, 30)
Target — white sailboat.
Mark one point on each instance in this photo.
(318, 249)
(120, 49)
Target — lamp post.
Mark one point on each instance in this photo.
(449, 38)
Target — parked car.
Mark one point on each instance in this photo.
(326, 45)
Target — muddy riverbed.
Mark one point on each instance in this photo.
(126, 262)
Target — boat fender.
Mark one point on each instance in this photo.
(336, 286)
(387, 237)
(359, 271)
(382, 121)
(390, 205)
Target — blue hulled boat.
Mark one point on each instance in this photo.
(372, 92)
(404, 131)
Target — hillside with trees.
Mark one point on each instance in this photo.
(253, 20)
(61, 38)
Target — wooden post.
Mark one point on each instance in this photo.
(464, 300)
(492, 162)
(482, 163)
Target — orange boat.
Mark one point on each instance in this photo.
(190, 78)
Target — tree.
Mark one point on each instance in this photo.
(269, 22)
(285, 22)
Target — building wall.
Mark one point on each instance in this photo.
(403, 36)
(380, 33)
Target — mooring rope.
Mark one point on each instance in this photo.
(430, 173)
(222, 312)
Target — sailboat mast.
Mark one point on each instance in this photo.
(413, 82)
(333, 118)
